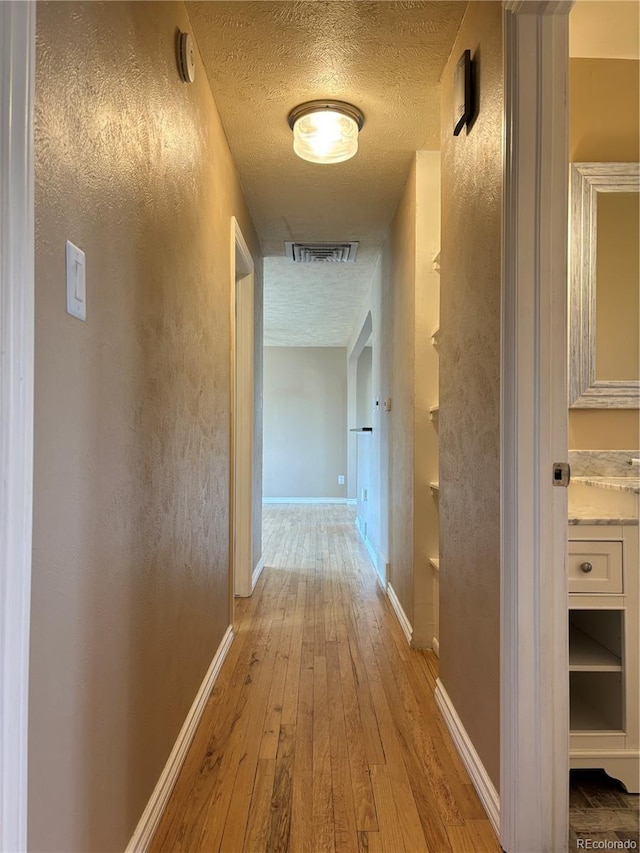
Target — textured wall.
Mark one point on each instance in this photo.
(470, 391)
(305, 422)
(604, 122)
(131, 513)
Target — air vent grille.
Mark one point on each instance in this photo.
(312, 253)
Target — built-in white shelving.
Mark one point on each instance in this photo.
(430, 389)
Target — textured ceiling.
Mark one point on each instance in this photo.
(312, 305)
(264, 58)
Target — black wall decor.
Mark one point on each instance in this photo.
(462, 92)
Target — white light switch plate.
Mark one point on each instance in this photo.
(76, 282)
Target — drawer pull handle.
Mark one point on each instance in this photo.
(586, 567)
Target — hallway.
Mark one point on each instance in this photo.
(322, 732)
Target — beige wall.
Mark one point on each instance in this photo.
(131, 513)
(305, 422)
(617, 286)
(604, 113)
(605, 28)
(470, 391)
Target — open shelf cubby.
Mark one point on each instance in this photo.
(596, 701)
(595, 640)
(595, 670)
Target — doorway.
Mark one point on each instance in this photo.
(364, 428)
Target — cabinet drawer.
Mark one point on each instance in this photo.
(606, 561)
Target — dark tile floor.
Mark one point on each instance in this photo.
(601, 811)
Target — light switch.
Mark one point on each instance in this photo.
(76, 282)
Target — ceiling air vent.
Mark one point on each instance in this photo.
(311, 253)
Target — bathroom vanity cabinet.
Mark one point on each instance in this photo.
(603, 647)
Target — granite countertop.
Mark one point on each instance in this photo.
(620, 484)
(585, 515)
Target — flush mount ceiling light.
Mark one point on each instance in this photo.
(325, 131)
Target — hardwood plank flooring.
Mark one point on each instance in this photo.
(322, 733)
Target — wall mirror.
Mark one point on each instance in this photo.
(604, 310)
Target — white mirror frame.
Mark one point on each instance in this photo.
(585, 391)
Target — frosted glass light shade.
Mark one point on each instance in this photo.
(326, 133)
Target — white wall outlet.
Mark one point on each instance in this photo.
(341, 479)
(387, 404)
(76, 282)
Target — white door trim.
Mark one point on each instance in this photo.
(242, 429)
(17, 68)
(534, 655)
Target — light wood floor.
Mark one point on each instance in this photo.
(322, 733)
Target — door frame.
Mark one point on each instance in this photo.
(242, 414)
(17, 73)
(534, 726)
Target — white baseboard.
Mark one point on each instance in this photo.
(256, 573)
(485, 788)
(407, 629)
(435, 645)
(150, 819)
(304, 500)
(351, 501)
